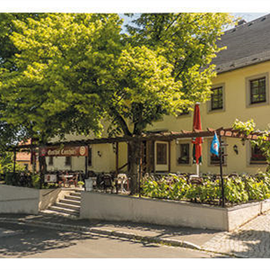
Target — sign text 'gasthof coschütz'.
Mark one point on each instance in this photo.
(64, 151)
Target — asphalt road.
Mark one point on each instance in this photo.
(21, 241)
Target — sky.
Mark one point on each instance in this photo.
(246, 16)
(249, 16)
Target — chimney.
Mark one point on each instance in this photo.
(241, 22)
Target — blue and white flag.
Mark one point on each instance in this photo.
(215, 145)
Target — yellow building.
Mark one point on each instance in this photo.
(241, 90)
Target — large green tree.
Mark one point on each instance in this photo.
(50, 84)
(71, 70)
(164, 68)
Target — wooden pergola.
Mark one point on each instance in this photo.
(147, 136)
(150, 136)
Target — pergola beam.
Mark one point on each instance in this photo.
(161, 136)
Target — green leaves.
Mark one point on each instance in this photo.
(262, 140)
(64, 73)
(165, 66)
(59, 64)
(245, 127)
(237, 189)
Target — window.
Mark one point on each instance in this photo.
(215, 160)
(217, 98)
(89, 156)
(68, 161)
(257, 90)
(161, 153)
(184, 154)
(257, 156)
(50, 160)
(185, 111)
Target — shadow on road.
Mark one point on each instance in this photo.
(32, 240)
(254, 243)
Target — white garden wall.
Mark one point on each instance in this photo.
(123, 208)
(18, 200)
(26, 200)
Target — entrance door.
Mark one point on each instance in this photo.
(161, 156)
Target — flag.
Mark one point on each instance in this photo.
(215, 145)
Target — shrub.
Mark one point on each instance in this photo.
(22, 179)
(236, 189)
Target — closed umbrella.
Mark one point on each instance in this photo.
(197, 142)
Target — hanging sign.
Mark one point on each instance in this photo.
(64, 151)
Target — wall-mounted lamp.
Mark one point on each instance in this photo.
(99, 153)
(235, 149)
(176, 141)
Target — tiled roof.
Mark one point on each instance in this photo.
(247, 44)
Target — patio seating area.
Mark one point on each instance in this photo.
(110, 182)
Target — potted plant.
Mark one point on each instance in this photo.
(80, 184)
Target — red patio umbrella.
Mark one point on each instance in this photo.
(197, 147)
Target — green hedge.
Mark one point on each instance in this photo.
(22, 179)
(236, 189)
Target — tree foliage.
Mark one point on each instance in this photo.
(64, 73)
(65, 70)
(171, 54)
(262, 140)
(7, 163)
(58, 65)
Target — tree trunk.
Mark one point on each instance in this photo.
(42, 169)
(268, 168)
(134, 165)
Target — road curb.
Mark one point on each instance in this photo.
(120, 234)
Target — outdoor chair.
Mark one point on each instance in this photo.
(73, 180)
(233, 175)
(196, 181)
(62, 180)
(91, 174)
(106, 181)
(124, 181)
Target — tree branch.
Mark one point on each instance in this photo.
(121, 121)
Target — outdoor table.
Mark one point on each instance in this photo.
(65, 178)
